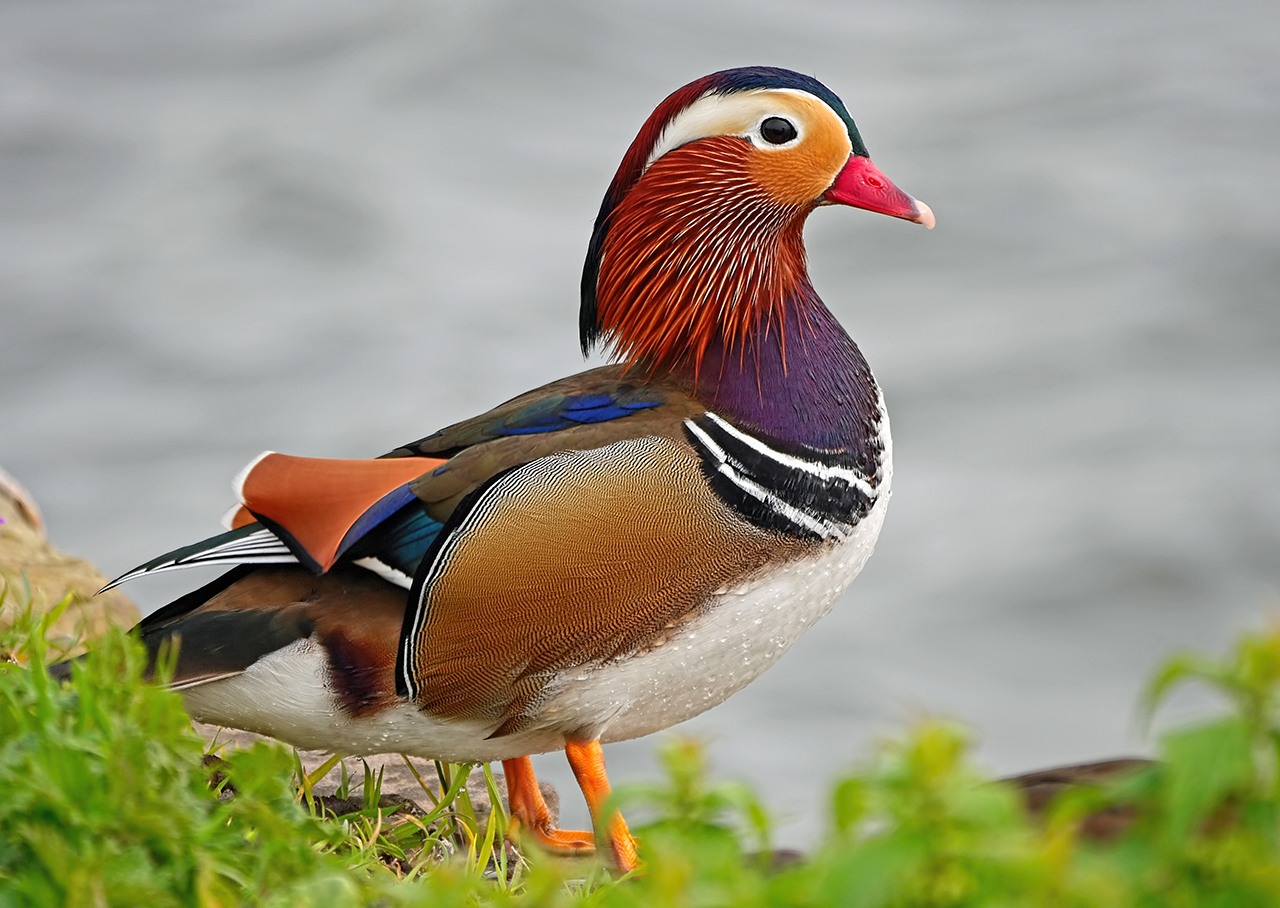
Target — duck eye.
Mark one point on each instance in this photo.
(777, 131)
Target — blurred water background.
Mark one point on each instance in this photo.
(329, 227)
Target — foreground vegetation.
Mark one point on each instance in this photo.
(104, 800)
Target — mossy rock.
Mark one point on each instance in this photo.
(33, 571)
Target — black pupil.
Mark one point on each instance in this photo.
(777, 131)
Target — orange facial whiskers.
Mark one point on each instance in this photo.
(696, 251)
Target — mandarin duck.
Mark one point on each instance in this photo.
(607, 555)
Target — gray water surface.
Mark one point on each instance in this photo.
(327, 228)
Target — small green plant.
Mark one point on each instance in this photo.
(391, 836)
(104, 801)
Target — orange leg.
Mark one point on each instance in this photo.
(529, 812)
(587, 760)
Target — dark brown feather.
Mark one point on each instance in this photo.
(353, 615)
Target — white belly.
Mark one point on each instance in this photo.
(286, 695)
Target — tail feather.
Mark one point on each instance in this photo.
(251, 613)
(252, 544)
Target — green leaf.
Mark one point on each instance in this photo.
(1205, 764)
(849, 804)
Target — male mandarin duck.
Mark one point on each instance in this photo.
(607, 555)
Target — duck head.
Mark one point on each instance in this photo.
(698, 245)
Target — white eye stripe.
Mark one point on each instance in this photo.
(737, 114)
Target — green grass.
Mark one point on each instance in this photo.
(104, 801)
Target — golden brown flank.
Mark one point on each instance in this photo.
(541, 582)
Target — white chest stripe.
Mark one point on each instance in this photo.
(820, 470)
(795, 515)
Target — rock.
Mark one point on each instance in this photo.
(29, 563)
(1039, 789)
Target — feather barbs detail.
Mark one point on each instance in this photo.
(699, 251)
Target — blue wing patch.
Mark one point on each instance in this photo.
(552, 414)
(401, 540)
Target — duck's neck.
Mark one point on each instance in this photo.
(808, 384)
(699, 275)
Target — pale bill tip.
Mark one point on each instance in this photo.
(924, 214)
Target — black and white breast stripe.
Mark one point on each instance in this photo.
(802, 491)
